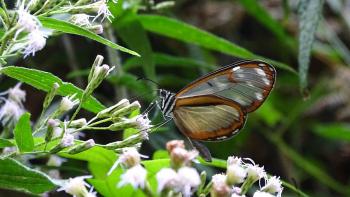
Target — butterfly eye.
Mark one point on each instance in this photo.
(162, 93)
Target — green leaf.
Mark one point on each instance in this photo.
(309, 167)
(269, 113)
(335, 131)
(16, 176)
(95, 154)
(260, 14)
(70, 28)
(309, 14)
(184, 32)
(44, 81)
(5, 143)
(160, 154)
(165, 60)
(23, 134)
(134, 35)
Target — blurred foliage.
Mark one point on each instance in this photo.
(305, 141)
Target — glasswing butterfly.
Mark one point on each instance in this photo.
(215, 106)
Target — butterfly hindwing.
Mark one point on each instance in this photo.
(208, 118)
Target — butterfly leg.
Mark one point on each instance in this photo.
(202, 149)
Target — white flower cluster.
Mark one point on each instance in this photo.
(181, 178)
(30, 35)
(239, 178)
(35, 39)
(12, 107)
(77, 187)
(135, 174)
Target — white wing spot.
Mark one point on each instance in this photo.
(266, 81)
(221, 138)
(241, 75)
(236, 68)
(262, 65)
(258, 96)
(260, 72)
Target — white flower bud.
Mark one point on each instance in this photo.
(16, 94)
(126, 110)
(10, 112)
(235, 174)
(82, 147)
(255, 172)
(67, 103)
(78, 123)
(175, 144)
(81, 20)
(129, 158)
(181, 157)
(189, 180)
(26, 21)
(110, 110)
(135, 176)
(273, 185)
(76, 186)
(36, 40)
(167, 178)
(55, 161)
(219, 187)
(101, 8)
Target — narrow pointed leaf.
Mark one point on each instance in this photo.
(70, 28)
(309, 14)
(44, 81)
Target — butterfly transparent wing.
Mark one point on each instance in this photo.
(211, 122)
(247, 83)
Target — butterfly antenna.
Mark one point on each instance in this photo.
(150, 80)
(149, 108)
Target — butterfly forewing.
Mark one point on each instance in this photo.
(246, 83)
(208, 117)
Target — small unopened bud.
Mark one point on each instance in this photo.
(98, 61)
(127, 110)
(110, 110)
(174, 144)
(67, 141)
(99, 73)
(164, 5)
(82, 147)
(51, 124)
(50, 95)
(124, 123)
(219, 187)
(67, 103)
(97, 29)
(78, 123)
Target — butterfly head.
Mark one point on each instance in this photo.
(166, 102)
